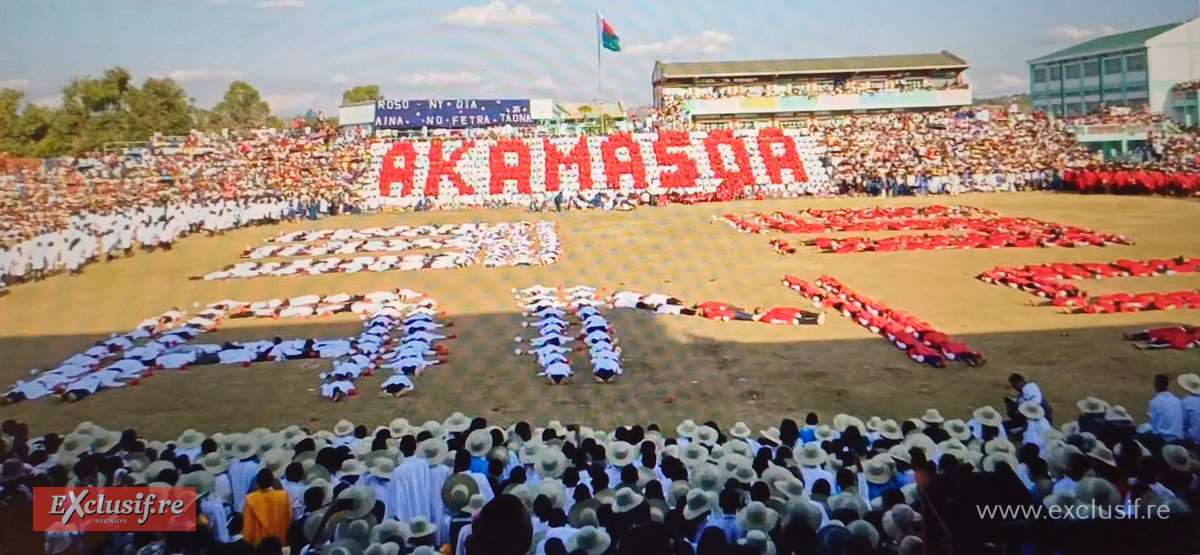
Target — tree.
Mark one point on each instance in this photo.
(362, 93)
(242, 107)
(10, 104)
(161, 106)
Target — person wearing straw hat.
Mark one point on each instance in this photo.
(1027, 392)
(879, 475)
(1191, 408)
(243, 469)
(590, 540)
(932, 419)
(188, 444)
(986, 422)
(1091, 414)
(1035, 423)
(421, 532)
(811, 459)
(379, 478)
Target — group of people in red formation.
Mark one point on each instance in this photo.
(984, 230)
(919, 340)
(1131, 180)
(1046, 281)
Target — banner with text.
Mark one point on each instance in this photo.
(101, 509)
(655, 161)
(451, 114)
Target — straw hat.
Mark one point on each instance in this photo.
(878, 469)
(590, 539)
(1176, 456)
(932, 416)
(399, 427)
(621, 453)
(698, 502)
(531, 451)
(989, 461)
(457, 492)
(1000, 445)
(824, 433)
(687, 429)
(433, 450)
(435, 428)
(1117, 413)
(382, 467)
(1190, 382)
(244, 447)
(1031, 410)
(1104, 455)
(707, 477)
(363, 498)
(843, 421)
(626, 500)
(899, 452)
(343, 428)
(390, 548)
(583, 513)
(457, 422)
(759, 541)
(693, 454)
(276, 460)
(771, 434)
(420, 527)
(190, 439)
(1098, 492)
(988, 416)
(706, 435)
(740, 431)
(789, 488)
(811, 455)
(1092, 405)
(478, 443)
(873, 423)
(889, 429)
(214, 463)
(957, 429)
(551, 464)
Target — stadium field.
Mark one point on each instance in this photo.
(675, 367)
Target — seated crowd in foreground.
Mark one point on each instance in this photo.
(463, 486)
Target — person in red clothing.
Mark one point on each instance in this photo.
(789, 316)
(926, 355)
(1177, 337)
(716, 310)
(953, 350)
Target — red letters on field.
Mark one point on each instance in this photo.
(615, 167)
(742, 175)
(790, 159)
(502, 171)
(440, 166)
(668, 153)
(398, 167)
(577, 157)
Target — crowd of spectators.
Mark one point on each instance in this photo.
(168, 188)
(465, 487)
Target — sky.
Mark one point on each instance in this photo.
(302, 54)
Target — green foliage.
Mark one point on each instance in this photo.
(96, 111)
(362, 93)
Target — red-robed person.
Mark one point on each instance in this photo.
(1176, 337)
(790, 316)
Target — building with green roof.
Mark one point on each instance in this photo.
(1136, 69)
(760, 93)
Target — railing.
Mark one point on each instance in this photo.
(881, 100)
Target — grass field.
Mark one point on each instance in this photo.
(675, 367)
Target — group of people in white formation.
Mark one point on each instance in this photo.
(553, 312)
(400, 333)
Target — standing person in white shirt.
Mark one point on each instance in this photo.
(1027, 392)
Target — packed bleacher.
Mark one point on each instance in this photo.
(465, 486)
(71, 212)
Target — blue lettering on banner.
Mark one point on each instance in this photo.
(450, 114)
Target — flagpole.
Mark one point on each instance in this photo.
(600, 67)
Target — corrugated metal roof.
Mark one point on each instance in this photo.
(1110, 43)
(940, 60)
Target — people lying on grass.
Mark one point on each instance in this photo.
(1179, 338)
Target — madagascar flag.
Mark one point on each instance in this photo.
(608, 37)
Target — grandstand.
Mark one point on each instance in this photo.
(780, 92)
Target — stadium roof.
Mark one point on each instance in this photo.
(904, 62)
(1110, 43)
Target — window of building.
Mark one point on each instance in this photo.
(1073, 108)
(1091, 69)
(1112, 66)
(1055, 73)
(1136, 62)
(1071, 71)
(1039, 76)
